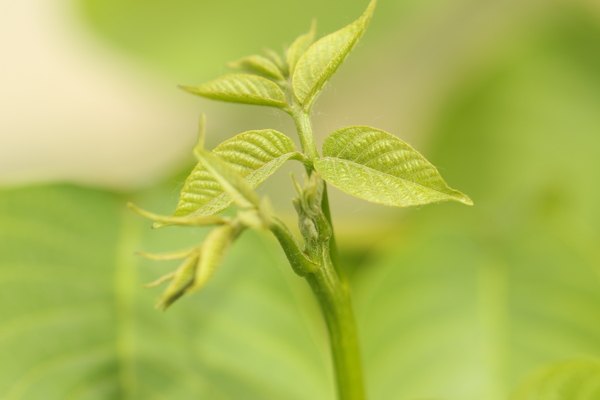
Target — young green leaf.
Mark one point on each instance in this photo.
(258, 65)
(181, 281)
(299, 47)
(323, 58)
(376, 166)
(567, 380)
(230, 180)
(214, 249)
(255, 155)
(276, 58)
(241, 88)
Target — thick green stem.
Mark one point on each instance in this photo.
(329, 284)
(334, 299)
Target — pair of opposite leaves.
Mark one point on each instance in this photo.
(365, 162)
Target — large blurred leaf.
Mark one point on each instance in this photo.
(76, 325)
(473, 299)
(567, 380)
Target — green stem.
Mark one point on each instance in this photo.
(304, 127)
(329, 285)
(334, 299)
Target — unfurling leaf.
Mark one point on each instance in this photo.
(214, 249)
(181, 281)
(255, 155)
(567, 380)
(258, 65)
(299, 47)
(376, 166)
(201, 134)
(230, 180)
(241, 88)
(323, 58)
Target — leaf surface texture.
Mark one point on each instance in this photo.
(255, 155)
(241, 88)
(376, 166)
(323, 58)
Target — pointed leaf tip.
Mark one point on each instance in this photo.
(316, 66)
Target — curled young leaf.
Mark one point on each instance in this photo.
(241, 88)
(299, 47)
(323, 58)
(567, 380)
(255, 155)
(258, 65)
(181, 281)
(376, 166)
(214, 249)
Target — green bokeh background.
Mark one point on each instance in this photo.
(452, 302)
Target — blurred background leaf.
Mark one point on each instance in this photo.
(452, 302)
(76, 325)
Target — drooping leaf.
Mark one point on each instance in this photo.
(567, 380)
(254, 154)
(379, 167)
(75, 324)
(214, 249)
(182, 279)
(258, 65)
(230, 180)
(241, 88)
(299, 47)
(322, 59)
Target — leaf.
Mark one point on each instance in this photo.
(567, 380)
(299, 47)
(181, 281)
(230, 180)
(376, 166)
(462, 298)
(214, 249)
(75, 324)
(323, 58)
(255, 155)
(241, 88)
(258, 65)
(275, 57)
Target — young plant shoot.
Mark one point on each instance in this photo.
(365, 162)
